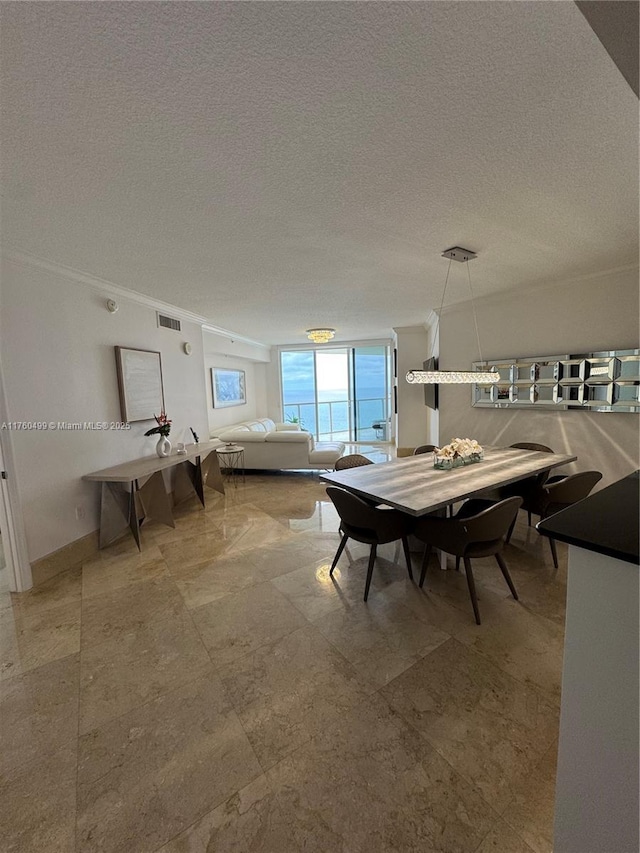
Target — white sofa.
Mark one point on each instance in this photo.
(271, 446)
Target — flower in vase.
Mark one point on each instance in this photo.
(460, 448)
(163, 427)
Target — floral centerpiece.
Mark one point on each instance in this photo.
(162, 428)
(459, 451)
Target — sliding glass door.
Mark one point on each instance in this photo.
(298, 372)
(338, 393)
(370, 393)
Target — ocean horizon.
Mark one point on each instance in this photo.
(333, 409)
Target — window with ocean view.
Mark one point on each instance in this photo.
(340, 393)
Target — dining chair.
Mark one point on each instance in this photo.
(559, 493)
(531, 445)
(470, 536)
(522, 488)
(371, 525)
(352, 460)
(424, 448)
(525, 488)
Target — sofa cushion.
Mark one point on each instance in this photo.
(241, 434)
(255, 426)
(287, 427)
(288, 436)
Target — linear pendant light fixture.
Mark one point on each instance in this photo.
(320, 336)
(437, 377)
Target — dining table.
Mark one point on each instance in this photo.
(413, 485)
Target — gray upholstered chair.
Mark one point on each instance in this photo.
(365, 523)
(352, 460)
(522, 488)
(560, 494)
(424, 448)
(480, 535)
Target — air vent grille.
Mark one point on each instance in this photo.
(169, 322)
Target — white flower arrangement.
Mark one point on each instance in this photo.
(459, 451)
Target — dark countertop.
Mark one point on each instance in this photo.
(607, 522)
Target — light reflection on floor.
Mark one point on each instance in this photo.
(219, 691)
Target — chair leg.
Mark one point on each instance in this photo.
(506, 575)
(472, 589)
(407, 555)
(513, 524)
(372, 559)
(343, 542)
(457, 564)
(554, 552)
(425, 563)
(529, 517)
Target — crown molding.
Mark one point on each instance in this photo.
(225, 333)
(112, 289)
(540, 286)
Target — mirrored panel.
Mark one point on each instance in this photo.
(626, 394)
(629, 368)
(596, 382)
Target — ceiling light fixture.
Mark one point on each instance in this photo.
(320, 336)
(437, 377)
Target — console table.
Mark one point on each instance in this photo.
(125, 503)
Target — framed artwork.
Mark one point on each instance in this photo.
(228, 386)
(139, 383)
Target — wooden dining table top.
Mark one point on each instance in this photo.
(414, 486)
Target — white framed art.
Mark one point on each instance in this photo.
(139, 383)
(228, 387)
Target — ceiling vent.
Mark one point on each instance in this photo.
(169, 322)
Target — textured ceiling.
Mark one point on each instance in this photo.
(275, 166)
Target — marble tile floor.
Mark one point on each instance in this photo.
(219, 692)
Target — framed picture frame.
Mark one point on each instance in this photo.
(139, 383)
(228, 387)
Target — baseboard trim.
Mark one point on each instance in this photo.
(64, 558)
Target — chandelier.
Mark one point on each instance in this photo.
(320, 336)
(438, 377)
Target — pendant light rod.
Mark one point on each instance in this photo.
(437, 326)
(456, 253)
(475, 315)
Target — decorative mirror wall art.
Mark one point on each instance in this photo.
(139, 383)
(594, 382)
(228, 387)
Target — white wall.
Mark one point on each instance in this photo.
(222, 351)
(594, 314)
(57, 351)
(273, 388)
(413, 422)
